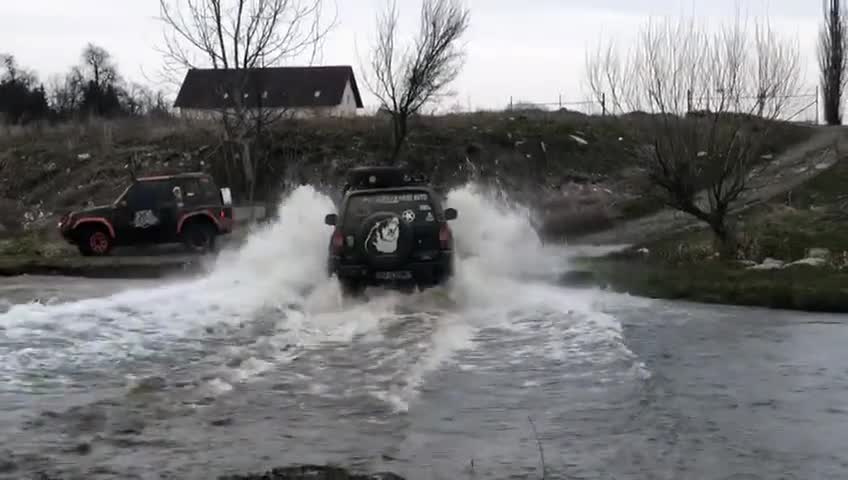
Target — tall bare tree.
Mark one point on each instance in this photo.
(98, 66)
(713, 98)
(833, 47)
(778, 64)
(405, 79)
(240, 36)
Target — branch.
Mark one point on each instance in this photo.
(405, 83)
(541, 450)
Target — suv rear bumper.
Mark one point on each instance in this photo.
(420, 272)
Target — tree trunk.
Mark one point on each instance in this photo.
(400, 131)
(834, 64)
(726, 241)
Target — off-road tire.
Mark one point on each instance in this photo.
(93, 241)
(199, 237)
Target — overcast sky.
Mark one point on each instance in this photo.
(527, 49)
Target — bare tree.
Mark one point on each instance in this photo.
(833, 45)
(98, 66)
(778, 63)
(140, 100)
(240, 36)
(713, 98)
(65, 92)
(13, 72)
(405, 79)
(605, 75)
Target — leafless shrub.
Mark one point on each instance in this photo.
(406, 79)
(712, 98)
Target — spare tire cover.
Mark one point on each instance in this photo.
(386, 240)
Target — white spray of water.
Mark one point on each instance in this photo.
(502, 281)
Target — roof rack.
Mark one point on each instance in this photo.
(382, 177)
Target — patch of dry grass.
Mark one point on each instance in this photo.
(796, 288)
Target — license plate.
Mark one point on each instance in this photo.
(402, 275)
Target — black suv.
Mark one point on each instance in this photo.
(391, 230)
(187, 208)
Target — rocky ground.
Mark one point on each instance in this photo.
(301, 472)
(312, 472)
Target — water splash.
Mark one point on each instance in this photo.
(270, 302)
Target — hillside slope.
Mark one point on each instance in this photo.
(797, 165)
(543, 159)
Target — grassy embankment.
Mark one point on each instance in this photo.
(533, 156)
(685, 266)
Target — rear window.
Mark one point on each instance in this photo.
(413, 205)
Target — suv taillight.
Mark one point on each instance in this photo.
(445, 237)
(338, 242)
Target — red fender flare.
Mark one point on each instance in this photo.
(195, 214)
(99, 220)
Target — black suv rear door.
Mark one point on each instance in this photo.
(416, 208)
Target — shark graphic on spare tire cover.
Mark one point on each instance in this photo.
(386, 239)
(384, 236)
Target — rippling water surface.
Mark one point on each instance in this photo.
(262, 363)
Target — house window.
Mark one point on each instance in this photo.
(226, 95)
(265, 94)
(317, 93)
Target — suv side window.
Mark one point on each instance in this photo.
(190, 190)
(141, 196)
(199, 191)
(149, 195)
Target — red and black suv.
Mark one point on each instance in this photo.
(391, 230)
(187, 208)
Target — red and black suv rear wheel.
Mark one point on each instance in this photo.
(94, 241)
(199, 237)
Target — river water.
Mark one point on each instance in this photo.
(261, 363)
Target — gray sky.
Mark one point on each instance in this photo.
(529, 49)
